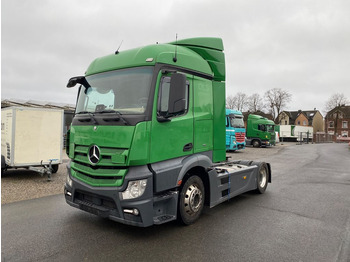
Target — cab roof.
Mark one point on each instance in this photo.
(204, 55)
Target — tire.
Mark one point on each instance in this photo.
(191, 200)
(256, 143)
(262, 178)
(54, 169)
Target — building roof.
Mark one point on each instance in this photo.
(344, 109)
(40, 104)
(309, 114)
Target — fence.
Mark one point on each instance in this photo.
(322, 137)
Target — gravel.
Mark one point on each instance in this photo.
(22, 184)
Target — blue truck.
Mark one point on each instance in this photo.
(235, 130)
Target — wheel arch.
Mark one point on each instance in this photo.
(196, 166)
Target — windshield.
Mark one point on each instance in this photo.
(125, 91)
(237, 122)
(270, 128)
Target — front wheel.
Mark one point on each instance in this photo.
(191, 201)
(262, 179)
(256, 143)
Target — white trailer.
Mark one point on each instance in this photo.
(31, 138)
(296, 133)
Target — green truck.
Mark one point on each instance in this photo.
(147, 142)
(260, 131)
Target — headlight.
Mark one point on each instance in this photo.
(135, 189)
(69, 181)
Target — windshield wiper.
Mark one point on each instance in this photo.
(114, 112)
(89, 114)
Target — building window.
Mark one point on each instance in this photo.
(285, 122)
(304, 123)
(299, 123)
(331, 132)
(345, 124)
(344, 133)
(331, 124)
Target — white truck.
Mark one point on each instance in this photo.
(31, 138)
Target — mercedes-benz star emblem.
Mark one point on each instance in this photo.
(94, 154)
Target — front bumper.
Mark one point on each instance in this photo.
(106, 202)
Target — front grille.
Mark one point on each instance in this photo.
(109, 156)
(110, 170)
(240, 137)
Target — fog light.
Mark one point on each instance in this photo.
(134, 211)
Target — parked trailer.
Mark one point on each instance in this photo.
(31, 138)
(295, 133)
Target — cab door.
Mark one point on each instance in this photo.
(172, 124)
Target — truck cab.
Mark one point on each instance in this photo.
(235, 130)
(147, 142)
(260, 131)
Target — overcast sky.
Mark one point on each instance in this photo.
(300, 46)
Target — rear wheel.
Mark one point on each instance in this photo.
(191, 200)
(262, 179)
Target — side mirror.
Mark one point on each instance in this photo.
(77, 80)
(177, 93)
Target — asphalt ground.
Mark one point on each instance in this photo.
(303, 216)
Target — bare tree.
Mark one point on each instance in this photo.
(255, 103)
(277, 99)
(336, 100)
(238, 102)
(230, 102)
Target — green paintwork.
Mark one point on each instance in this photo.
(219, 152)
(211, 49)
(169, 138)
(203, 115)
(206, 42)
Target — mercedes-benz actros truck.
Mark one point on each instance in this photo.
(147, 142)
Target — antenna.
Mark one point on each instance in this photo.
(175, 57)
(117, 52)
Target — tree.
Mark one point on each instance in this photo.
(230, 102)
(238, 102)
(336, 100)
(277, 99)
(333, 104)
(255, 103)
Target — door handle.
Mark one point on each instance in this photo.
(188, 147)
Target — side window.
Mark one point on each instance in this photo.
(261, 127)
(226, 121)
(163, 97)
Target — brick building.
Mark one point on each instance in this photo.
(338, 121)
